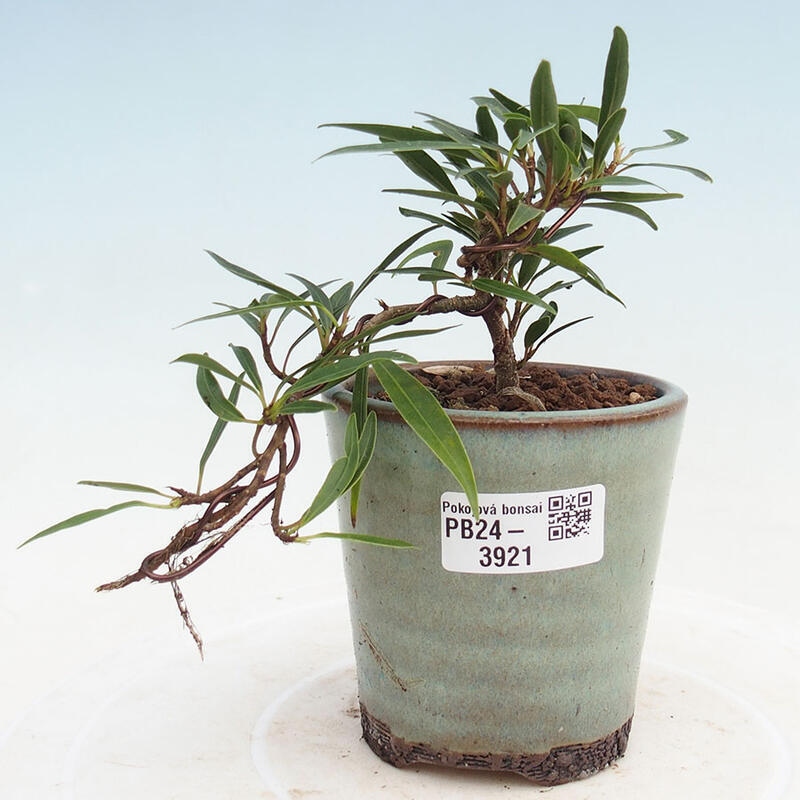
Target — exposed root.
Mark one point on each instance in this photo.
(180, 600)
(529, 399)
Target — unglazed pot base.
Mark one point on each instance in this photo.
(560, 765)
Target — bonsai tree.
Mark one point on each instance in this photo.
(511, 188)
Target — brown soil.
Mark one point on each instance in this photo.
(461, 387)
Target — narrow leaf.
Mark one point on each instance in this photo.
(391, 258)
(425, 167)
(124, 487)
(248, 364)
(333, 487)
(428, 420)
(544, 108)
(206, 362)
(254, 308)
(605, 140)
(568, 260)
(615, 80)
(379, 541)
(589, 113)
(446, 197)
(397, 133)
(306, 407)
(216, 435)
(537, 329)
(440, 249)
(625, 208)
(212, 396)
(330, 374)
(509, 291)
(698, 173)
(247, 275)
(675, 138)
(618, 180)
(439, 221)
(88, 516)
(635, 197)
(405, 147)
(485, 124)
(523, 214)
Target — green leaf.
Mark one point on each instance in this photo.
(528, 269)
(441, 250)
(398, 133)
(363, 538)
(675, 138)
(247, 275)
(406, 147)
(316, 292)
(425, 167)
(306, 407)
(698, 173)
(206, 362)
(635, 197)
(330, 374)
(446, 197)
(568, 260)
(254, 308)
(212, 396)
(507, 103)
(88, 516)
(485, 124)
(625, 208)
(333, 487)
(509, 291)
(341, 298)
(216, 435)
(346, 471)
(618, 180)
(568, 230)
(544, 109)
(443, 221)
(368, 436)
(537, 329)
(615, 80)
(359, 410)
(523, 214)
(569, 130)
(124, 487)
(391, 258)
(483, 149)
(605, 140)
(581, 111)
(427, 419)
(412, 333)
(248, 364)
(321, 300)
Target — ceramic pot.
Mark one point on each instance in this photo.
(471, 653)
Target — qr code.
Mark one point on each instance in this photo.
(569, 515)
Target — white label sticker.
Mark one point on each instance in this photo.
(523, 532)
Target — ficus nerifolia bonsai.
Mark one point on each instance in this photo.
(512, 187)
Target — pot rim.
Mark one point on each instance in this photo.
(672, 400)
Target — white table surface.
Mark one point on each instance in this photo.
(105, 696)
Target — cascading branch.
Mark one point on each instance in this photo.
(511, 198)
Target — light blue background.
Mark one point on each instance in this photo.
(136, 134)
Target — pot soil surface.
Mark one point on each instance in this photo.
(464, 387)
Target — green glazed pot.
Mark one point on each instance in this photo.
(504, 667)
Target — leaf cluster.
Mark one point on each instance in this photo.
(510, 183)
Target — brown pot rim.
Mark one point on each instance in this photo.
(672, 400)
